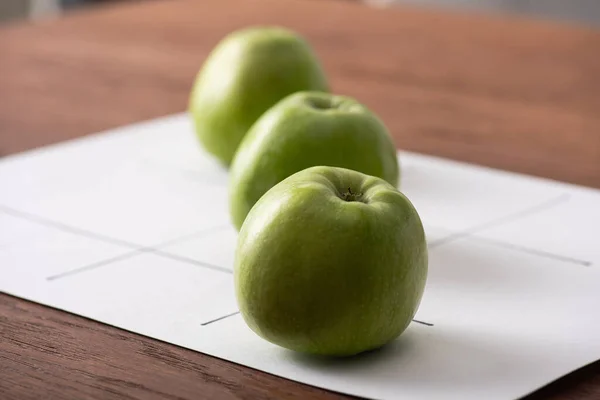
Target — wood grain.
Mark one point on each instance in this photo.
(46, 353)
(511, 94)
(514, 94)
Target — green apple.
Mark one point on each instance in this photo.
(330, 261)
(246, 73)
(303, 130)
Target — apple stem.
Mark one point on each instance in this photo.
(350, 196)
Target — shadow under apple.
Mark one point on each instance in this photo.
(423, 361)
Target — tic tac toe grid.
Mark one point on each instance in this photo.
(131, 228)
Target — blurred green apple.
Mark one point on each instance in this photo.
(246, 73)
(330, 261)
(303, 130)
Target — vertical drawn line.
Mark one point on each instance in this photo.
(531, 251)
(502, 220)
(136, 249)
(95, 265)
(134, 253)
(93, 235)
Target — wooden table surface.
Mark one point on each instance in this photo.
(507, 93)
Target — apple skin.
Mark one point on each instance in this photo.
(319, 274)
(303, 130)
(247, 72)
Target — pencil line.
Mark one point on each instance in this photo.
(95, 265)
(422, 322)
(186, 173)
(189, 260)
(237, 312)
(66, 228)
(502, 220)
(535, 252)
(219, 319)
(136, 249)
(131, 254)
(185, 238)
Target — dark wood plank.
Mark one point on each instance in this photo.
(510, 94)
(46, 353)
(513, 94)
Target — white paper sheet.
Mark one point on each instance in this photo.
(130, 228)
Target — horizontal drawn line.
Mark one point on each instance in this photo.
(198, 177)
(131, 254)
(237, 312)
(66, 228)
(194, 235)
(422, 322)
(189, 261)
(219, 319)
(500, 221)
(136, 249)
(93, 235)
(532, 251)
